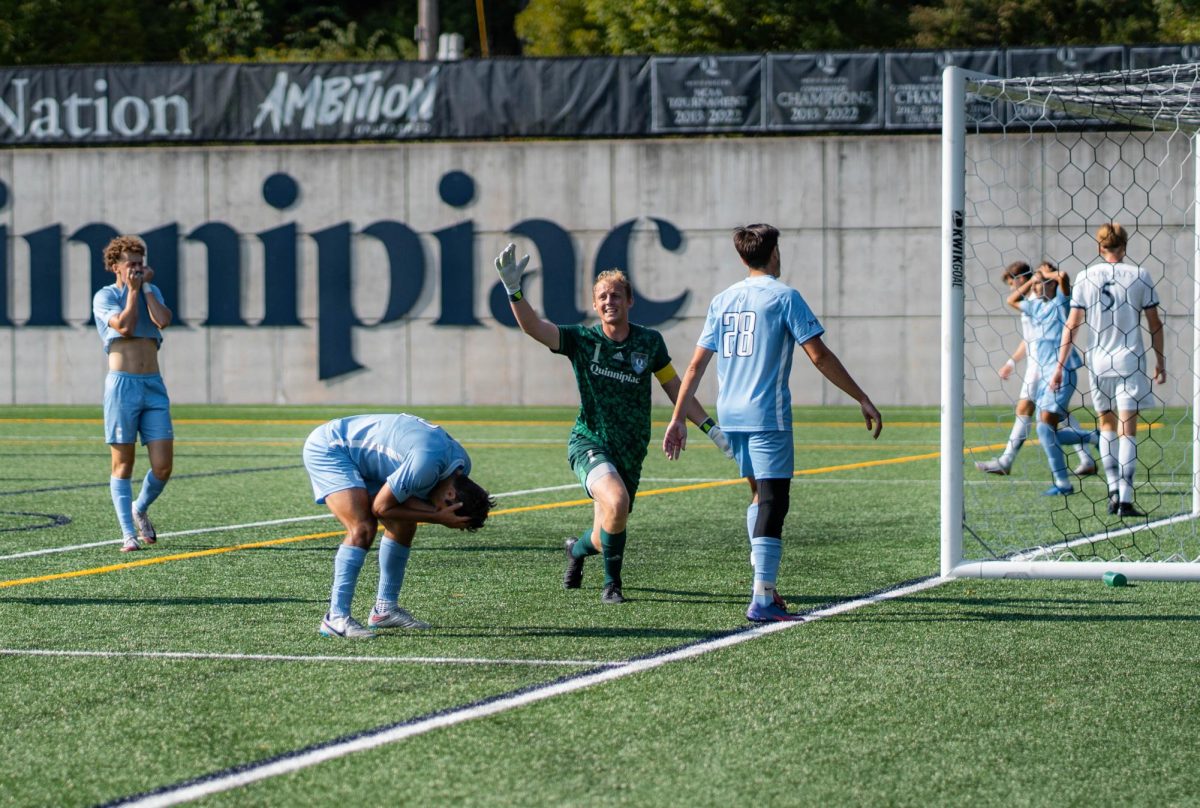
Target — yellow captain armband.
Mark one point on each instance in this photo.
(666, 374)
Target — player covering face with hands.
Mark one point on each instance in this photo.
(614, 362)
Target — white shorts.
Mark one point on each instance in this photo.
(1029, 385)
(1129, 393)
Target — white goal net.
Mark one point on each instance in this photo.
(1032, 167)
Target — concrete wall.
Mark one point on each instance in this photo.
(860, 217)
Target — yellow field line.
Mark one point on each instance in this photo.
(508, 423)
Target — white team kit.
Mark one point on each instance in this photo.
(1113, 297)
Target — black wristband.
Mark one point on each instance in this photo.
(516, 296)
(707, 425)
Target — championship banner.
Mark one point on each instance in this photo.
(1142, 58)
(913, 87)
(824, 91)
(706, 94)
(1057, 62)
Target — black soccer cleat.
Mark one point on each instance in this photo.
(1128, 509)
(573, 577)
(1113, 503)
(611, 594)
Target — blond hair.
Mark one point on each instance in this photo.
(1112, 237)
(119, 246)
(614, 276)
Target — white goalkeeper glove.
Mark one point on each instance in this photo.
(510, 270)
(717, 435)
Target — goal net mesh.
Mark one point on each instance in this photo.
(1048, 161)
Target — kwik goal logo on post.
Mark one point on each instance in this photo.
(408, 271)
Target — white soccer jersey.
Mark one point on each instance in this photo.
(1113, 297)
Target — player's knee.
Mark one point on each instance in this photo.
(361, 534)
(774, 500)
(162, 471)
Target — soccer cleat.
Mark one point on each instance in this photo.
(1128, 509)
(771, 613)
(1058, 491)
(145, 527)
(1086, 468)
(1113, 502)
(395, 618)
(573, 577)
(131, 545)
(992, 467)
(344, 626)
(778, 600)
(611, 594)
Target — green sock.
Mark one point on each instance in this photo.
(613, 545)
(583, 545)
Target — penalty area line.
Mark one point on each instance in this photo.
(289, 762)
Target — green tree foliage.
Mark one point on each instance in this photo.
(964, 23)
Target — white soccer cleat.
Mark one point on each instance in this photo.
(145, 527)
(992, 467)
(1085, 468)
(131, 545)
(395, 618)
(345, 627)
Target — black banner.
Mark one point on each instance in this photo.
(824, 91)
(706, 94)
(628, 96)
(1057, 62)
(913, 83)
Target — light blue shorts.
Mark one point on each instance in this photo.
(330, 469)
(1057, 401)
(763, 455)
(136, 403)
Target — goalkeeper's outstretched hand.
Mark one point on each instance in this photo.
(722, 442)
(510, 269)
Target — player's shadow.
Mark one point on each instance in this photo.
(579, 632)
(165, 601)
(652, 595)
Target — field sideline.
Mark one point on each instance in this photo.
(193, 671)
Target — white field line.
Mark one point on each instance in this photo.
(244, 526)
(415, 660)
(1037, 552)
(246, 774)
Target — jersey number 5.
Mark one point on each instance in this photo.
(738, 336)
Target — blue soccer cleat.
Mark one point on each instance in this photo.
(1058, 491)
(771, 613)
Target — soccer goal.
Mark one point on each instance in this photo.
(1031, 167)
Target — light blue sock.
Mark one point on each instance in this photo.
(393, 560)
(151, 488)
(1054, 456)
(346, 565)
(1073, 436)
(766, 553)
(122, 499)
(751, 523)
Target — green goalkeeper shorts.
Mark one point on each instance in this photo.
(584, 455)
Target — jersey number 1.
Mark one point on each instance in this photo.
(738, 336)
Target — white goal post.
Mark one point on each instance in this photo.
(1031, 167)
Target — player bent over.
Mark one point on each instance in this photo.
(129, 315)
(613, 362)
(1043, 302)
(752, 327)
(393, 470)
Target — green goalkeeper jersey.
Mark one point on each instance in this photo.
(614, 387)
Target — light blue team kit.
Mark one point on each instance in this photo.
(408, 454)
(1047, 319)
(753, 327)
(134, 403)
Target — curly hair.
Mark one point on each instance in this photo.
(476, 502)
(119, 246)
(1019, 271)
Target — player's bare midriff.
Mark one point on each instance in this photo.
(133, 355)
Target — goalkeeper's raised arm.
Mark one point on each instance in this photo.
(511, 272)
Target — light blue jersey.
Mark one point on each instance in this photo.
(110, 301)
(1043, 333)
(753, 327)
(408, 454)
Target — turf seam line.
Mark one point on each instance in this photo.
(200, 655)
(191, 476)
(288, 762)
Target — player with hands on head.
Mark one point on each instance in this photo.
(1111, 296)
(1043, 302)
(613, 362)
(130, 315)
(394, 470)
(753, 327)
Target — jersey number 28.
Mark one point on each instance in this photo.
(738, 333)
